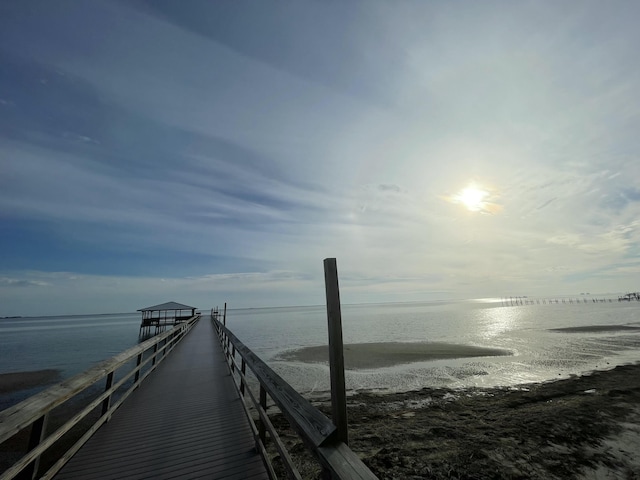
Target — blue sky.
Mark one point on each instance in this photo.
(206, 152)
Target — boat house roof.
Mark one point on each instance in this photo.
(167, 306)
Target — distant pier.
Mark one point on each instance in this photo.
(518, 301)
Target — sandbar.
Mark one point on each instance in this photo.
(387, 354)
(596, 329)
(14, 382)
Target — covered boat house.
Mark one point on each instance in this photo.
(158, 317)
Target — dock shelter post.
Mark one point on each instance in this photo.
(336, 353)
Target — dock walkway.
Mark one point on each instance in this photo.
(185, 421)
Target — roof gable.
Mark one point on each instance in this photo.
(167, 306)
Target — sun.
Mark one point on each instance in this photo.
(472, 197)
(477, 198)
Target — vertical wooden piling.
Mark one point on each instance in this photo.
(336, 354)
(224, 316)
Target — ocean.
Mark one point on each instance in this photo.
(74, 343)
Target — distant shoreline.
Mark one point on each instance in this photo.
(18, 381)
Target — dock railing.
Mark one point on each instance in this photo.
(316, 430)
(121, 377)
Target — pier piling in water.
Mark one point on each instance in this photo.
(518, 301)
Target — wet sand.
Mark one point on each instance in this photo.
(15, 382)
(584, 427)
(377, 355)
(597, 328)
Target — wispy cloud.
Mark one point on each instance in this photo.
(14, 282)
(232, 153)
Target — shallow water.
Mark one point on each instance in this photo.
(70, 344)
(538, 353)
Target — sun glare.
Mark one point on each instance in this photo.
(477, 198)
(472, 197)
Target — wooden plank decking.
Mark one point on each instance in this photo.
(185, 421)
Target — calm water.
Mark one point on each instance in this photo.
(72, 344)
(68, 344)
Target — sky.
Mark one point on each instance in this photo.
(209, 152)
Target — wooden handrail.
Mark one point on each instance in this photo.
(309, 422)
(316, 430)
(35, 409)
(266, 424)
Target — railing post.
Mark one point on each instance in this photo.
(262, 429)
(233, 357)
(138, 362)
(243, 369)
(38, 430)
(155, 351)
(336, 353)
(106, 403)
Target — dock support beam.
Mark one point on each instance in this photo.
(336, 354)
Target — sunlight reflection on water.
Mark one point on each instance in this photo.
(538, 353)
(496, 321)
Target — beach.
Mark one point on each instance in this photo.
(584, 427)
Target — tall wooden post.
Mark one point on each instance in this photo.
(336, 354)
(224, 316)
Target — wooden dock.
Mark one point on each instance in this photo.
(177, 405)
(186, 420)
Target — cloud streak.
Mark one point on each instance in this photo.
(150, 149)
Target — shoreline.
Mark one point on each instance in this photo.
(582, 427)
